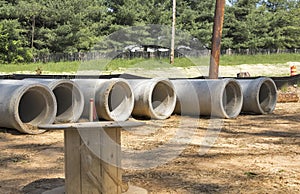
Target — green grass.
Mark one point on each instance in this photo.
(110, 65)
(51, 67)
(100, 65)
(229, 60)
(148, 63)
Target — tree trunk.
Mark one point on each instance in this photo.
(32, 31)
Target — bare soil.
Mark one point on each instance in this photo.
(251, 154)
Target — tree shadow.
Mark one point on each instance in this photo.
(273, 117)
(166, 180)
(37, 146)
(42, 185)
(265, 133)
(10, 131)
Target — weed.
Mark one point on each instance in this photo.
(250, 174)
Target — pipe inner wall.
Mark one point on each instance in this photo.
(70, 102)
(120, 101)
(267, 97)
(162, 100)
(35, 102)
(232, 99)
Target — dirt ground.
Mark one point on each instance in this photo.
(251, 154)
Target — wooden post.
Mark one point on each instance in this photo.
(93, 156)
(85, 170)
(72, 150)
(216, 40)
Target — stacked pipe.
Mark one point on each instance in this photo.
(225, 98)
(68, 96)
(25, 104)
(117, 99)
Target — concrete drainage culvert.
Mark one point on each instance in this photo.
(260, 95)
(214, 98)
(113, 98)
(154, 98)
(69, 98)
(24, 106)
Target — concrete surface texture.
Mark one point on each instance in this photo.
(220, 98)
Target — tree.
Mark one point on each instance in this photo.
(13, 45)
(196, 17)
(284, 23)
(29, 11)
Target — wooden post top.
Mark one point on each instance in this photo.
(91, 125)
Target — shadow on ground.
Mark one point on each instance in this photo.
(42, 185)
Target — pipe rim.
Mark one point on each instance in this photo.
(48, 111)
(119, 100)
(266, 97)
(231, 99)
(167, 100)
(71, 111)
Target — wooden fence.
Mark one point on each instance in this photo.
(94, 55)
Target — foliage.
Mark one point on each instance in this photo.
(254, 24)
(31, 27)
(12, 44)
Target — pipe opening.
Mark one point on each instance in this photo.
(33, 107)
(120, 101)
(162, 99)
(267, 97)
(232, 99)
(64, 99)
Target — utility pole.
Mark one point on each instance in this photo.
(172, 54)
(216, 40)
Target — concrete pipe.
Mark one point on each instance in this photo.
(68, 96)
(154, 98)
(24, 106)
(260, 95)
(113, 98)
(216, 98)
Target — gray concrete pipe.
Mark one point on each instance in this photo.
(113, 98)
(154, 98)
(260, 95)
(216, 98)
(24, 106)
(68, 96)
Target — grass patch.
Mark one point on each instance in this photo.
(229, 60)
(51, 67)
(147, 64)
(250, 174)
